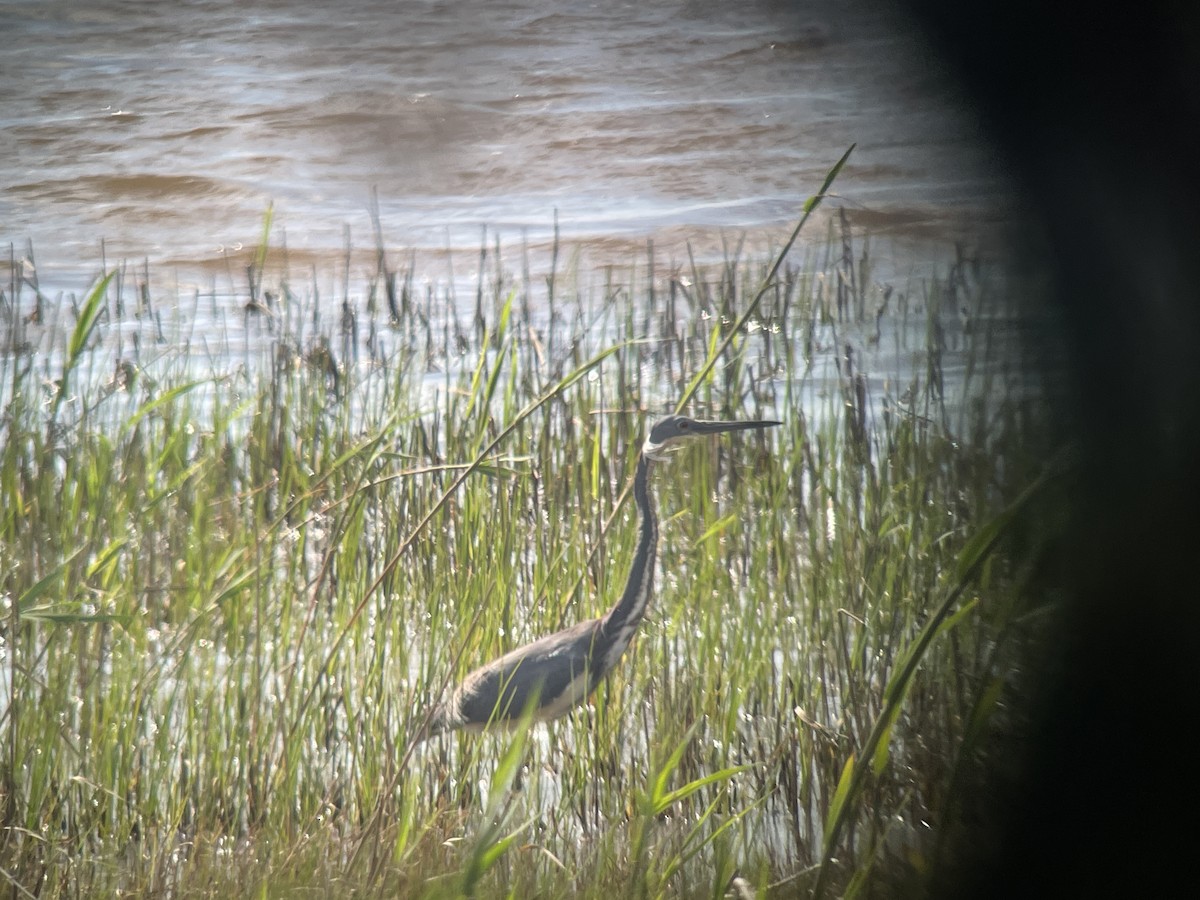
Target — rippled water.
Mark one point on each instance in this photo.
(166, 129)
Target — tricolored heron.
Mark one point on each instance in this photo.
(555, 673)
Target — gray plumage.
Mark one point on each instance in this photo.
(555, 673)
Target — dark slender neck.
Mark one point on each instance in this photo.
(623, 619)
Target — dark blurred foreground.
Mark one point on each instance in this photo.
(1096, 111)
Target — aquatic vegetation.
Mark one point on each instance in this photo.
(239, 563)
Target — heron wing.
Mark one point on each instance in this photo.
(551, 672)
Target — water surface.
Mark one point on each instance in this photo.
(167, 129)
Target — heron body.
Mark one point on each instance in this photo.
(555, 673)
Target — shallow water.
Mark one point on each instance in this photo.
(167, 129)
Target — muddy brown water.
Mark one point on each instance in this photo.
(165, 130)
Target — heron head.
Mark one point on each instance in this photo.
(667, 434)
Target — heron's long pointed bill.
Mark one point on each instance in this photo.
(702, 427)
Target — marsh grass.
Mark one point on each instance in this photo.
(239, 563)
